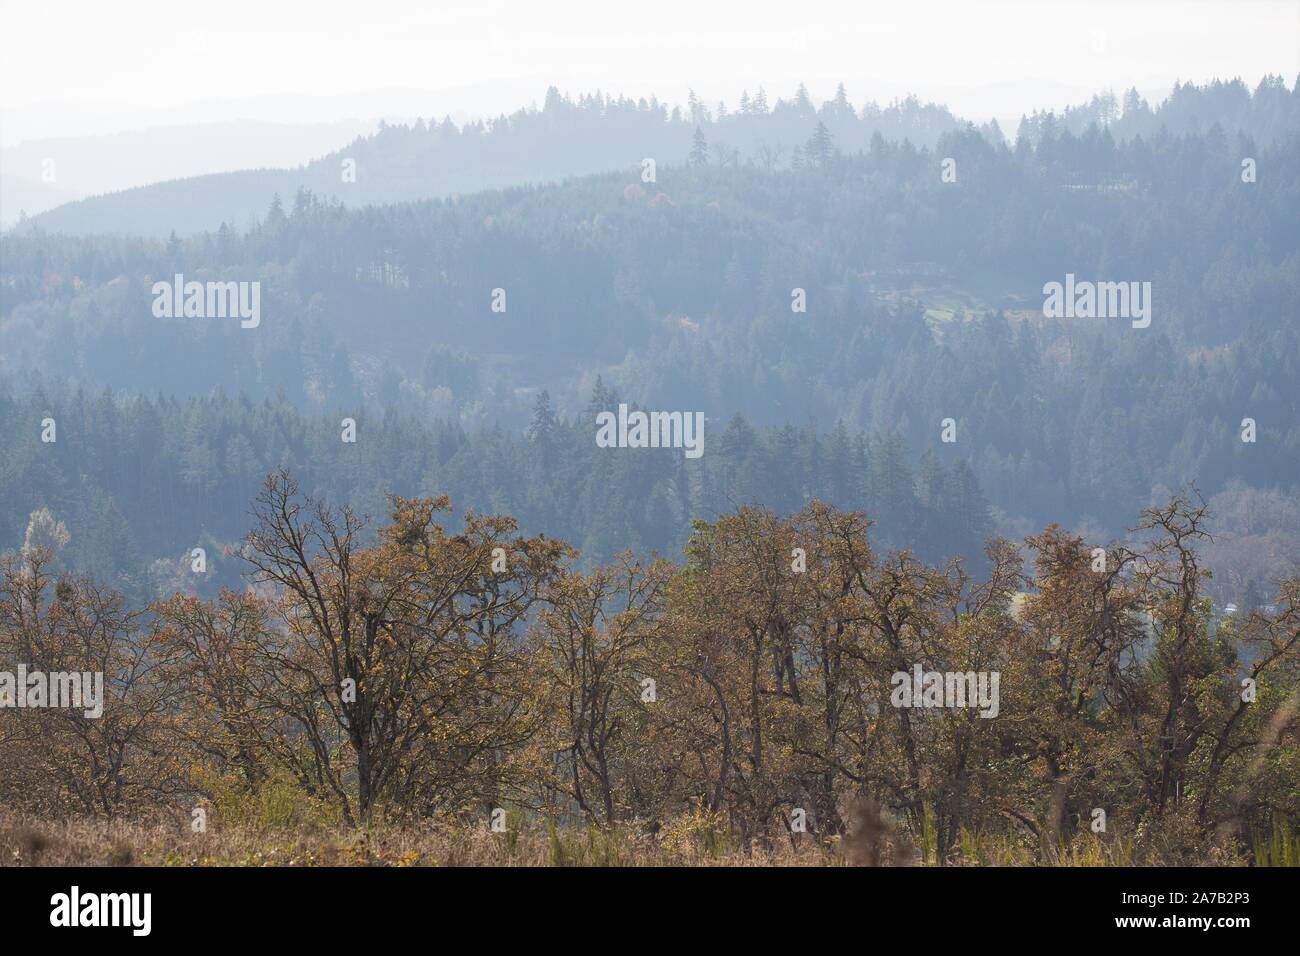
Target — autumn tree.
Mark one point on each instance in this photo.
(397, 662)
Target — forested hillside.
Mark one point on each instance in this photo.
(564, 137)
(923, 303)
(154, 478)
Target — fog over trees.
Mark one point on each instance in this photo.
(306, 464)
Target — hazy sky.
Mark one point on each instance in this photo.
(981, 58)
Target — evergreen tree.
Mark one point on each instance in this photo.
(699, 149)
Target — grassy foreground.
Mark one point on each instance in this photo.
(103, 842)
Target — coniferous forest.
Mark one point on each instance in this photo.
(922, 301)
(618, 481)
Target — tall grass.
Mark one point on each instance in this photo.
(694, 840)
(1279, 848)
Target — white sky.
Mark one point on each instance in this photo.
(984, 59)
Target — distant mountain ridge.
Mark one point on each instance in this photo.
(594, 133)
(429, 160)
(42, 174)
(924, 303)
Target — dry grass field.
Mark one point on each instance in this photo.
(98, 842)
